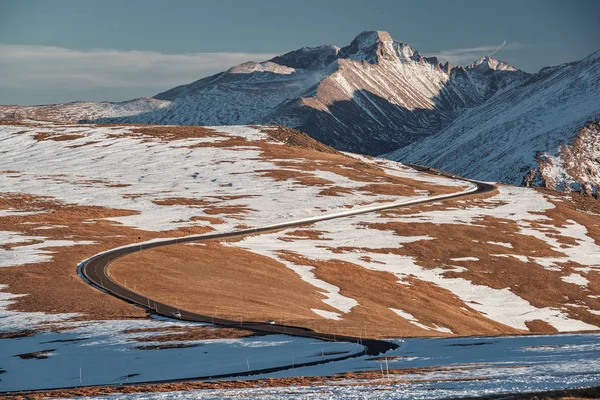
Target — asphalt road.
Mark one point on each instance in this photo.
(95, 271)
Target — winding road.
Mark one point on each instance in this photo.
(94, 270)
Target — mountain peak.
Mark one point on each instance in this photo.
(366, 39)
(308, 57)
(487, 62)
(405, 51)
(369, 46)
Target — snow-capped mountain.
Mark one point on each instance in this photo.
(543, 132)
(372, 96)
(487, 120)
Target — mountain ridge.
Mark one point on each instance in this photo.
(543, 132)
(371, 96)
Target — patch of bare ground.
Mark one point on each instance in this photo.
(335, 191)
(211, 205)
(292, 137)
(577, 201)
(103, 182)
(76, 146)
(304, 234)
(188, 333)
(231, 211)
(55, 286)
(387, 189)
(16, 334)
(36, 355)
(57, 137)
(301, 178)
(226, 282)
(169, 133)
(212, 220)
(181, 201)
(358, 378)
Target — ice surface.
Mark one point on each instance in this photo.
(469, 367)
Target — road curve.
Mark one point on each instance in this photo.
(94, 270)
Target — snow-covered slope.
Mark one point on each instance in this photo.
(372, 96)
(80, 110)
(540, 132)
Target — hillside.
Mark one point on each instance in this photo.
(542, 132)
(65, 198)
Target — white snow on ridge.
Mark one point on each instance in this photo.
(408, 316)
(503, 244)
(576, 279)
(465, 259)
(327, 314)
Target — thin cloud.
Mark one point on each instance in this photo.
(47, 67)
(498, 48)
(468, 55)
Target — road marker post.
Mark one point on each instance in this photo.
(387, 368)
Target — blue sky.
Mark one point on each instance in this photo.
(65, 50)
